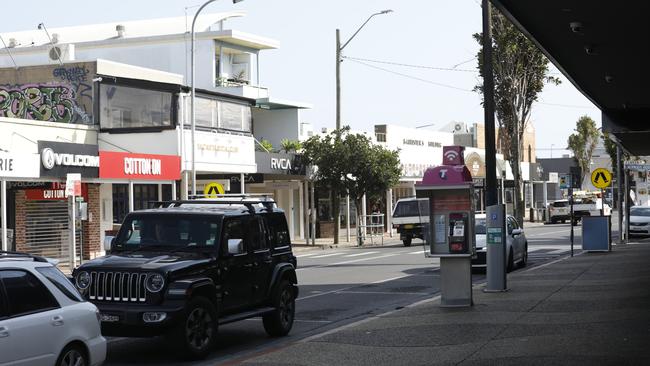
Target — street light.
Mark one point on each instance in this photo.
(339, 49)
(192, 111)
(552, 150)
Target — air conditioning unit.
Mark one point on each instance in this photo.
(460, 127)
(63, 52)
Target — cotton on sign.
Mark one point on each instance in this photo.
(142, 166)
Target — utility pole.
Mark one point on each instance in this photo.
(338, 80)
(488, 107)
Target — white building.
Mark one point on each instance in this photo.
(233, 109)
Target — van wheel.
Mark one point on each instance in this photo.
(279, 322)
(197, 332)
(553, 221)
(564, 221)
(407, 241)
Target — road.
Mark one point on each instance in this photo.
(337, 287)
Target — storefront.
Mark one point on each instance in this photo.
(283, 176)
(43, 212)
(133, 182)
(13, 167)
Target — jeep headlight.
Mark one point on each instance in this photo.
(155, 282)
(83, 280)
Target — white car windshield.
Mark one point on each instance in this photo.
(479, 227)
(640, 211)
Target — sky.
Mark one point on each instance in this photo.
(429, 33)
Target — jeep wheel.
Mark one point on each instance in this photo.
(279, 322)
(198, 330)
(407, 241)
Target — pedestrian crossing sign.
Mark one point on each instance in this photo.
(601, 178)
(212, 190)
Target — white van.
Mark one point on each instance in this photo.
(408, 216)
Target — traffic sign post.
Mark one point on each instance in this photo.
(601, 178)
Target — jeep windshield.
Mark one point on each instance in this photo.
(168, 232)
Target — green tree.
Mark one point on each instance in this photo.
(350, 163)
(290, 145)
(583, 142)
(265, 145)
(520, 73)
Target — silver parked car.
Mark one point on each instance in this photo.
(516, 243)
(639, 220)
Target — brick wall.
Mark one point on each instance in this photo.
(91, 227)
(19, 233)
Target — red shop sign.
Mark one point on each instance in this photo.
(53, 192)
(118, 165)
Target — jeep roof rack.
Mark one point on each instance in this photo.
(4, 254)
(231, 199)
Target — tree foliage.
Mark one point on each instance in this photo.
(583, 142)
(351, 163)
(265, 145)
(520, 73)
(290, 145)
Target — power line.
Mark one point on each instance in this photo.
(411, 77)
(361, 61)
(410, 65)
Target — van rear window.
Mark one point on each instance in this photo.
(410, 208)
(561, 204)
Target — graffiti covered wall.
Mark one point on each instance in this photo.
(56, 93)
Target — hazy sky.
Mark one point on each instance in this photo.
(431, 33)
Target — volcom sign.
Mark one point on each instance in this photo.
(61, 158)
(50, 159)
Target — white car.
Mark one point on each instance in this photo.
(516, 243)
(43, 319)
(639, 220)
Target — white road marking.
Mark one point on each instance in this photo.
(328, 255)
(351, 287)
(382, 293)
(306, 255)
(347, 262)
(549, 232)
(417, 252)
(360, 254)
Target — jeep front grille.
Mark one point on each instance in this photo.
(117, 286)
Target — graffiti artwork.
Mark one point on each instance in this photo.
(56, 103)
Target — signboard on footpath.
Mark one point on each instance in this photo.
(119, 165)
(19, 165)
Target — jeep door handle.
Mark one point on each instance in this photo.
(4, 332)
(57, 320)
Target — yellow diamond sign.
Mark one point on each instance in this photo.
(601, 178)
(212, 190)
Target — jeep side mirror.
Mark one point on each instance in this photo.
(108, 241)
(516, 232)
(235, 246)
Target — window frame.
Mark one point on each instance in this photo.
(272, 232)
(261, 223)
(174, 90)
(223, 249)
(8, 306)
(73, 294)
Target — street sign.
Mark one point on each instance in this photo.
(73, 184)
(601, 178)
(564, 181)
(213, 189)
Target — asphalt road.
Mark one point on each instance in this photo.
(337, 287)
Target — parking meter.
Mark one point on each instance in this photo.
(448, 223)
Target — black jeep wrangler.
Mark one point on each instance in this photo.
(185, 267)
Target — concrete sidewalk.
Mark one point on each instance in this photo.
(592, 309)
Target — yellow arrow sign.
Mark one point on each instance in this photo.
(601, 178)
(212, 190)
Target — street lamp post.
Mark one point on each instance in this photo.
(339, 50)
(552, 150)
(192, 111)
